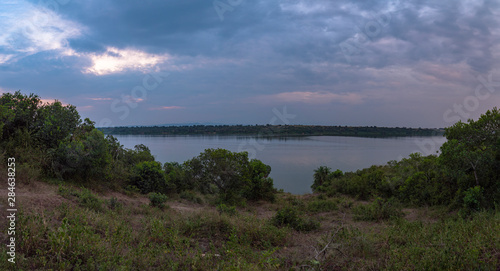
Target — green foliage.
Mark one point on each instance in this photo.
(229, 175)
(176, 174)
(114, 204)
(379, 209)
(191, 196)
(157, 200)
(320, 177)
(470, 155)
(289, 216)
(83, 158)
(260, 186)
(84, 197)
(224, 209)
(223, 169)
(450, 244)
(318, 206)
(149, 177)
(473, 198)
(17, 112)
(90, 201)
(55, 123)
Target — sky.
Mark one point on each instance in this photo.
(394, 63)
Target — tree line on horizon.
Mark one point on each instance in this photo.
(273, 130)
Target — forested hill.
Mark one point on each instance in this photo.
(273, 130)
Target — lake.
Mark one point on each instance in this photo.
(292, 159)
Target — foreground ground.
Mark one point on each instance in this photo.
(64, 227)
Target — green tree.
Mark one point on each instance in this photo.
(18, 114)
(469, 155)
(260, 185)
(176, 174)
(221, 169)
(320, 177)
(149, 177)
(55, 122)
(84, 157)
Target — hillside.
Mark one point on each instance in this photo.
(67, 228)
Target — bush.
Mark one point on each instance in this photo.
(84, 197)
(223, 208)
(157, 200)
(473, 198)
(289, 216)
(380, 209)
(191, 196)
(260, 185)
(114, 204)
(88, 200)
(149, 177)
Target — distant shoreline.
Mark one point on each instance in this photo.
(274, 130)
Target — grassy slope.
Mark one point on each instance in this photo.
(66, 228)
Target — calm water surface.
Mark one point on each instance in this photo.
(294, 159)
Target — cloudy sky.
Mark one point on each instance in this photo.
(415, 63)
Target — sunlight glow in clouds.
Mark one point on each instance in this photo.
(116, 60)
(5, 58)
(28, 29)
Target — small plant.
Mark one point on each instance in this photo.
(294, 201)
(157, 200)
(223, 208)
(114, 204)
(473, 198)
(90, 201)
(289, 216)
(84, 197)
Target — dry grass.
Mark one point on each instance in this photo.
(191, 233)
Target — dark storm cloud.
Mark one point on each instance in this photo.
(261, 54)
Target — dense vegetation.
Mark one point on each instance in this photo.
(465, 174)
(87, 203)
(273, 130)
(50, 140)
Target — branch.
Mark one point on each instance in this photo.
(331, 240)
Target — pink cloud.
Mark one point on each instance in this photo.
(166, 108)
(100, 99)
(309, 97)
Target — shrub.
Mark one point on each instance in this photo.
(90, 201)
(473, 198)
(114, 204)
(260, 186)
(84, 197)
(223, 208)
(380, 209)
(289, 216)
(149, 177)
(191, 196)
(157, 200)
